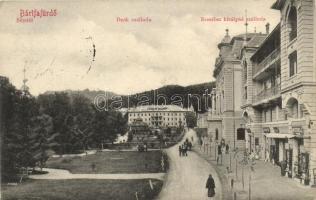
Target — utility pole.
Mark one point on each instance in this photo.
(215, 146)
(236, 169)
(230, 161)
(249, 192)
(242, 178)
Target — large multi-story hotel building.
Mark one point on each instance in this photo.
(225, 118)
(261, 99)
(159, 115)
(279, 87)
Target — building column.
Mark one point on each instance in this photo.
(281, 151)
(213, 94)
(295, 157)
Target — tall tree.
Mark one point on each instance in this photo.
(58, 106)
(191, 119)
(82, 115)
(44, 139)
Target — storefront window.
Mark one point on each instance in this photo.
(303, 166)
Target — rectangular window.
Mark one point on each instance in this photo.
(293, 63)
(246, 92)
(240, 134)
(256, 141)
(264, 116)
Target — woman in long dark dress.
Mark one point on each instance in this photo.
(210, 185)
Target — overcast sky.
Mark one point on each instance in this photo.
(174, 48)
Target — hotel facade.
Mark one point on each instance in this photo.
(279, 92)
(158, 116)
(225, 121)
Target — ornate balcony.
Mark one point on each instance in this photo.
(267, 95)
(260, 70)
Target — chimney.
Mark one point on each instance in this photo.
(267, 28)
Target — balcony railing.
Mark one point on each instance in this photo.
(267, 61)
(267, 93)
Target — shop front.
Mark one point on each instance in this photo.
(300, 157)
(276, 144)
(288, 151)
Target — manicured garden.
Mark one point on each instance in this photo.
(82, 189)
(110, 162)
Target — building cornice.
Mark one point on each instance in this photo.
(297, 85)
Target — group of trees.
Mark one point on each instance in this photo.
(191, 119)
(193, 95)
(33, 128)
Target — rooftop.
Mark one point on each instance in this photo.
(162, 108)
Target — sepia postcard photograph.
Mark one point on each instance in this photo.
(158, 99)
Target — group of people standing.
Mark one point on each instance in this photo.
(223, 147)
(185, 147)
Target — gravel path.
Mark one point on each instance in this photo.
(57, 174)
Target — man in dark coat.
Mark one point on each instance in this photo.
(210, 185)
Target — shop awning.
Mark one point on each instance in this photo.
(284, 136)
(279, 135)
(302, 136)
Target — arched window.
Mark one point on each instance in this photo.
(246, 117)
(293, 108)
(216, 134)
(292, 23)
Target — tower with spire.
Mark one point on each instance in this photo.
(224, 45)
(24, 87)
(246, 29)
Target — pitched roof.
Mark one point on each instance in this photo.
(256, 40)
(162, 108)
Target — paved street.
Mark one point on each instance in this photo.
(187, 176)
(267, 183)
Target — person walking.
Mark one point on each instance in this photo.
(185, 149)
(210, 186)
(180, 150)
(227, 148)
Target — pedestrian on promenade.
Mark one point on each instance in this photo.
(227, 148)
(190, 146)
(180, 150)
(210, 185)
(185, 149)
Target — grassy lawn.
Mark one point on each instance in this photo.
(110, 162)
(80, 189)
